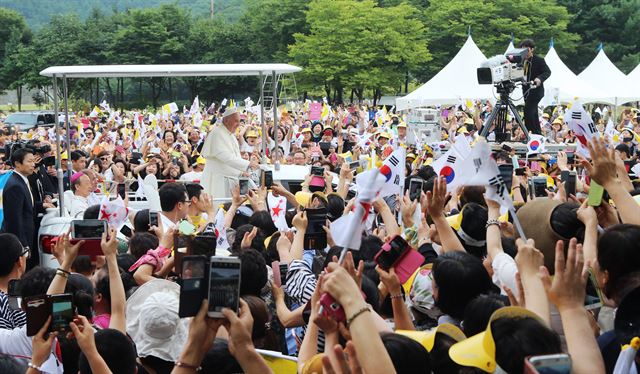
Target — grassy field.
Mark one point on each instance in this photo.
(25, 107)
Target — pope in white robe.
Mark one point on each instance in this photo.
(224, 163)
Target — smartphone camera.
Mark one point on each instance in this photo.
(317, 171)
(88, 229)
(61, 312)
(391, 252)
(224, 285)
(267, 178)
(14, 288)
(122, 190)
(153, 219)
(415, 188)
(540, 186)
(315, 237)
(244, 186)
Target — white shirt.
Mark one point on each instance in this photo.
(108, 175)
(167, 224)
(17, 344)
(78, 205)
(247, 148)
(285, 144)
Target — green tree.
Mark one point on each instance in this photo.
(16, 66)
(271, 35)
(215, 41)
(493, 22)
(357, 45)
(12, 24)
(13, 35)
(57, 44)
(613, 23)
(152, 36)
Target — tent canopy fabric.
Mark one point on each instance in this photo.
(455, 83)
(563, 86)
(612, 85)
(177, 70)
(634, 76)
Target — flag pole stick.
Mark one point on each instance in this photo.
(516, 223)
(359, 214)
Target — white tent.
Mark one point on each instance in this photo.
(634, 76)
(455, 83)
(612, 85)
(563, 86)
(509, 47)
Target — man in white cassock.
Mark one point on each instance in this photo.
(224, 163)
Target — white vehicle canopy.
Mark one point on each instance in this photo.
(178, 70)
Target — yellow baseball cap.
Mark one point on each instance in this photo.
(428, 338)
(201, 160)
(468, 121)
(480, 350)
(463, 130)
(303, 198)
(251, 134)
(384, 135)
(306, 129)
(402, 124)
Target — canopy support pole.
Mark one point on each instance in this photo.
(274, 102)
(59, 173)
(66, 124)
(262, 125)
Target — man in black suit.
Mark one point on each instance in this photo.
(536, 71)
(18, 201)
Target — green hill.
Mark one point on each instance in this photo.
(39, 12)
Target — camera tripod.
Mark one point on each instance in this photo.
(498, 116)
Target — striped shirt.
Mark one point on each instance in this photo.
(10, 318)
(301, 282)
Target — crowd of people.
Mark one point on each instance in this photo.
(479, 297)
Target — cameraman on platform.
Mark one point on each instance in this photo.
(536, 71)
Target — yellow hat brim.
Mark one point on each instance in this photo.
(472, 352)
(428, 338)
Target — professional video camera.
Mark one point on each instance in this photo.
(9, 148)
(503, 68)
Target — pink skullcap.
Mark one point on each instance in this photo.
(76, 176)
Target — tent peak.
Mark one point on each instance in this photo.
(551, 43)
(600, 47)
(469, 31)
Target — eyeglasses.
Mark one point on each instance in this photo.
(104, 158)
(26, 252)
